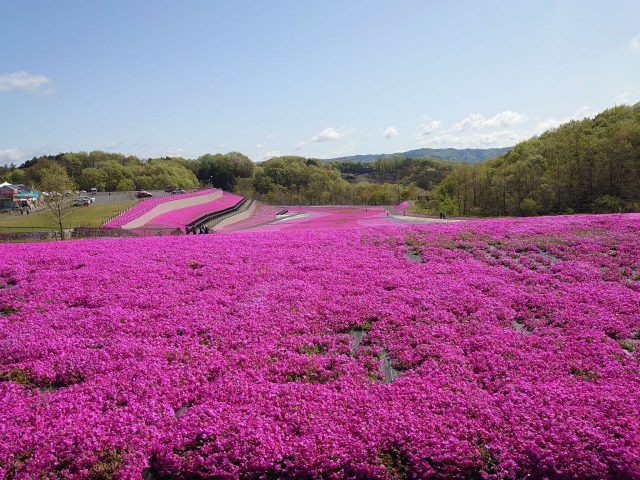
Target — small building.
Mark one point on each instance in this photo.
(7, 193)
(18, 195)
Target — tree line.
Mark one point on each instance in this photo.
(592, 165)
(116, 172)
(295, 180)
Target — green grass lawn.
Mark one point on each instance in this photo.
(92, 215)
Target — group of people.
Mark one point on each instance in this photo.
(442, 216)
(202, 229)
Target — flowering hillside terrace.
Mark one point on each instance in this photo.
(181, 217)
(145, 206)
(321, 218)
(489, 349)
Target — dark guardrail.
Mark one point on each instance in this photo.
(213, 219)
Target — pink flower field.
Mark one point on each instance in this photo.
(317, 218)
(182, 216)
(497, 349)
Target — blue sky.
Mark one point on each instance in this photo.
(314, 78)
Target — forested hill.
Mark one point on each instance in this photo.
(463, 155)
(592, 165)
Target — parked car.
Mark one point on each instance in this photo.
(169, 190)
(81, 202)
(177, 191)
(143, 194)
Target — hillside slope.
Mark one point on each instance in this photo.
(592, 165)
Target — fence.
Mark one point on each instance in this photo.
(106, 232)
(39, 234)
(18, 229)
(26, 234)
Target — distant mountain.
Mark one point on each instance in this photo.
(468, 155)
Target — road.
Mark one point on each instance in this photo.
(119, 197)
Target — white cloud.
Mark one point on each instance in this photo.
(472, 120)
(623, 99)
(547, 124)
(329, 134)
(390, 132)
(428, 128)
(635, 43)
(501, 119)
(270, 136)
(474, 131)
(477, 131)
(582, 112)
(258, 146)
(271, 154)
(449, 138)
(25, 82)
(176, 152)
(503, 129)
(12, 155)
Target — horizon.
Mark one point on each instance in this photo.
(328, 80)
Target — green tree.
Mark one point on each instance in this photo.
(529, 207)
(607, 204)
(58, 203)
(223, 170)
